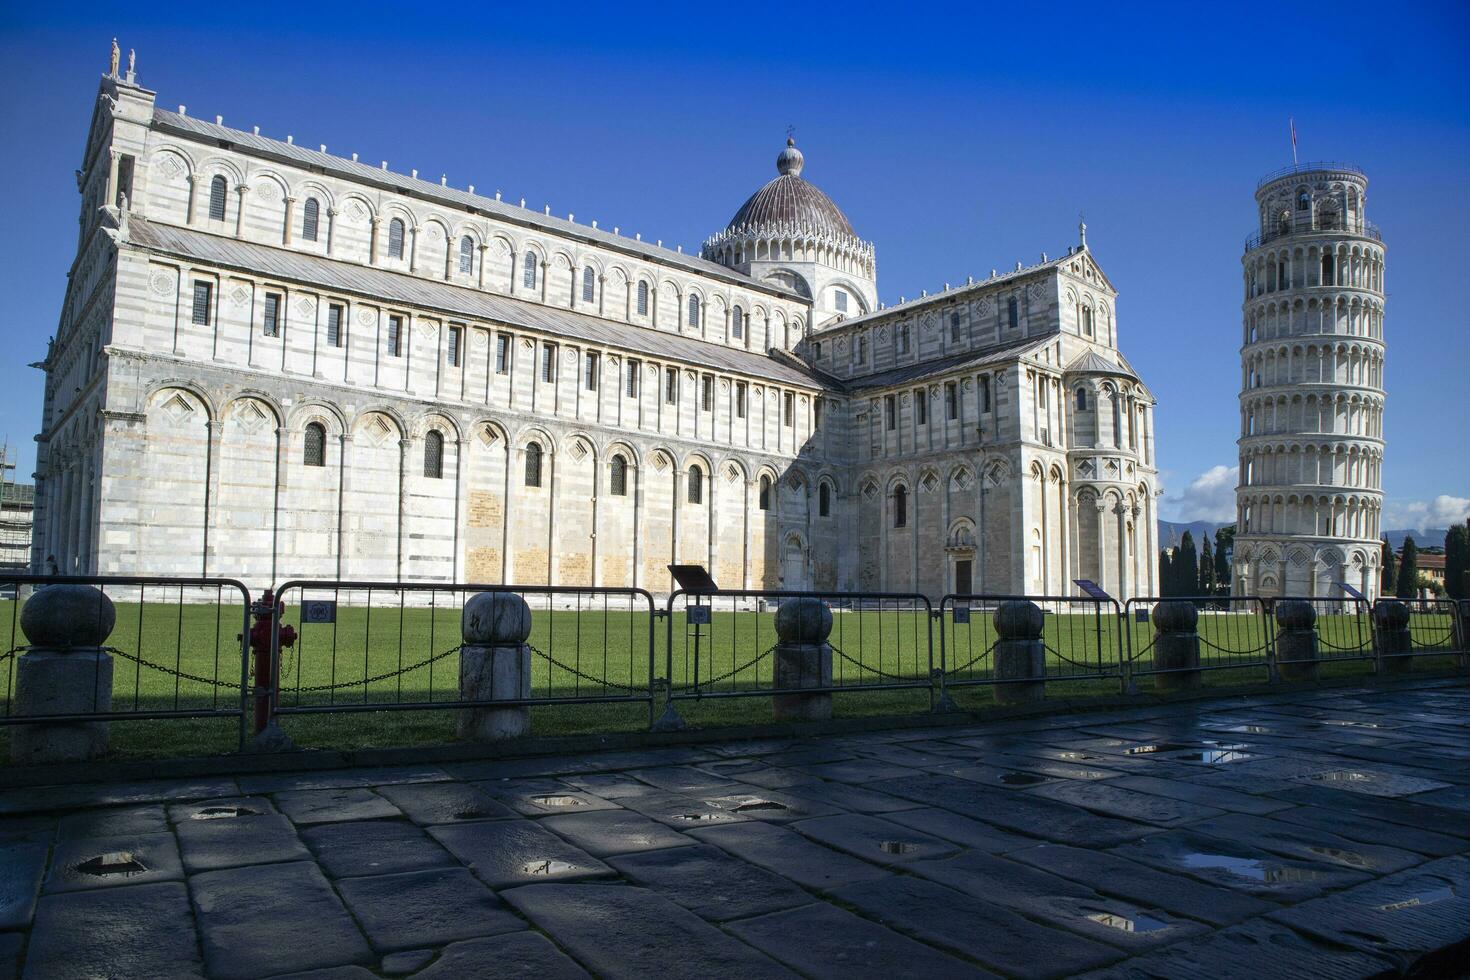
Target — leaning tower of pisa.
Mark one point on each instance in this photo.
(1311, 401)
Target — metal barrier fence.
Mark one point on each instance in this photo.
(722, 644)
(1436, 628)
(1235, 632)
(1080, 636)
(178, 648)
(1344, 629)
(382, 646)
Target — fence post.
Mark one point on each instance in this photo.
(1296, 640)
(65, 671)
(1176, 646)
(803, 658)
(1462, 633)
(495, 665)
(1391, 636)
(1020, 655)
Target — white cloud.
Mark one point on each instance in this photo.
(1420, 515)
(1208, 497)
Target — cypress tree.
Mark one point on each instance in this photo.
(1166, 573)
(1409, 570)
(1390, 570)
(1207, 568)
(1186, 567)
(1457, 560)
(1224, 544)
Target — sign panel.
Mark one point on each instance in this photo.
(699, 615)
(1140, 614)
(1091, 588)
(319, 610)
(1352, 591)
(961, 615)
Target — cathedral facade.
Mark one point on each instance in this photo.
(273, 362)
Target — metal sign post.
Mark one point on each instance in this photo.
(696, 581)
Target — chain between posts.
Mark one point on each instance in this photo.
(583, 674)
(197, 678)
(364, 681)
(727, 674)
(973, 660)
(872, 670)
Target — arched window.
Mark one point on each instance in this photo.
(903, 338)
(824, 499)
(217, 198)
(1013, 313)
(900, 507)
(314, 449)
(533, 464)
(1304, 201)
(1087, 321)
(1081, 399)
(737, 323)
(434, 455)
(589, 284)
(954, 328)
(643, 299)
(528, 270)
(765, 495)
(693, 310)
(1117, 400)
(696, 485)
(395, 238)
(618, 478)
(311, 214)
(1327, 276)
(466, 254)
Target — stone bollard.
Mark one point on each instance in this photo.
(1020, 655)
(803, 659)
(495, 665)
(1391, 636)
(65, 672)
(1296, 640)
(1176, 646)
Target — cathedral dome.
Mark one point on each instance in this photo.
(789, 205)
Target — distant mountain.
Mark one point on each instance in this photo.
(1170, 532)
(1434, 537)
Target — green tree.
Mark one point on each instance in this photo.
(1408, 570)
(1166, 573)
(1207, 584)
(1224, 546)
(1457, 560)
(1186, 567)
(1390, 570)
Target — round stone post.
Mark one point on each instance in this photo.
(1296, 640)
(1020, 655)
(1176, 646)
(803, 660)
(495, 665)
(1391, 636)
(65, 672)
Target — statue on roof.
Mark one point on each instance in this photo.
(132, 63)
(112, 67)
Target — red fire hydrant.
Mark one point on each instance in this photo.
(266, 686)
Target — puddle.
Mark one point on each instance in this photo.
(1213, 757)
(1023, 779)
(223, 813)
(750, 805)
(1343, 776)
(113, 864)
(1251, 868)
(1250, 729)
(1079, 757)
(546, 868)
(1342, 857)
(1157, 747)
(897, 847)
(1350, 724)
(1429, 897)
(558, 801)
(1135, 923)
(696, 817)
(471, 813)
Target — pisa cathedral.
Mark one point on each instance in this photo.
(273, 362)
(1311, 404)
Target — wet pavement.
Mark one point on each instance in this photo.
(1320, 834)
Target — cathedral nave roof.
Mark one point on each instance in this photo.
(945, 365)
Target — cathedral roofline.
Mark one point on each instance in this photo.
(910, 373)
(189, 127)
(387, 286)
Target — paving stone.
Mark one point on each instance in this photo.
(1258, 948)
(1113, 875)
(1356, 827)
(607, 832)
(113, 822)
(1404, 812)
(1308, 844)
(1116, 801)
(635, 933)
(822, 940)
(108, 862)
(1020, 812)
(34, 827)
(339, 779)
(1239, 865)
(538, 797)
(995, 936)
(860, 799)
(614, 786)
(999, 777)
(330, 973)
(677, 811)
(207, 845)
(710, 883)
(406, 962)
(770, 805)
(789, 854)
(137, 931)
(425, 908)
(311, 806)
(373, 847)
(221, 809)
(773, 777)
(515, 954)
(1406, 916)
(44, 799)
(1374, 782)
(22, 863)
(431, 803)
(1454, 798)
(273, 918)
(10, 947)
(1057, 901)
(962, 830)
(1212, 796)
(873, 839)
(503, 853)
(857, 771)
(1054, 767)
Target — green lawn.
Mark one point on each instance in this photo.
(604, 652)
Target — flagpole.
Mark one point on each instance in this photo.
(1291, 121)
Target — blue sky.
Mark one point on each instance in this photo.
(958, 139)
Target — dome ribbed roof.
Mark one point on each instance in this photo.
(789, 204)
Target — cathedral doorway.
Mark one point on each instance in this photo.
(793, 566)
(963, 576)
